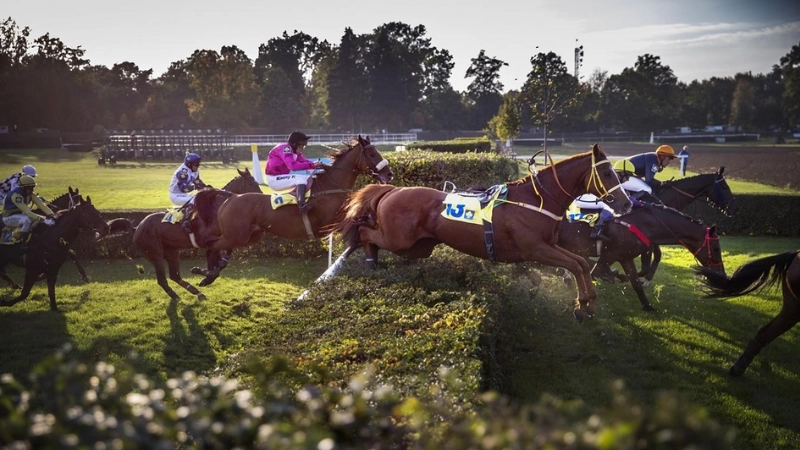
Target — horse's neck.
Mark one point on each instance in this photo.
(665, 227)
(341, 175)
(561, 182)
(682, 192)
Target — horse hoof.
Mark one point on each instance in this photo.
(201, 296)
(579, 315)
(198, 271)
(734, 372)
(648, 308)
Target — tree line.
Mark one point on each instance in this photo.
(392, 78)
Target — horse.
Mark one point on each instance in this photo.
(49, 247)
(758, 275)
(678, 194)
(160, 242)
(244, 218)
(408, 221)
(632, 234)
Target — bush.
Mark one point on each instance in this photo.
(482, 145)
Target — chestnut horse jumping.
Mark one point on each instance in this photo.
(760, 274)
(408, 221)
(244, 218)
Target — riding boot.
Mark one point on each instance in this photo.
(599, 227)
(23, 237)
(186, 222)
(301, 198)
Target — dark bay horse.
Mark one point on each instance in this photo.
(244, 218)
(659, 225)
(49, 247)
(756, 275)
(408, 221)
(161, 242)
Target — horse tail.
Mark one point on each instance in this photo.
(759, 274)
(359, 209)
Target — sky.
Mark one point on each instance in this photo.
(697, 39)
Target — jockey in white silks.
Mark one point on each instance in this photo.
(185, 181)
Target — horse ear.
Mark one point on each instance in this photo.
(712, 229)
(88, 200)
(721, 169)
(247, 171)
(595, 149)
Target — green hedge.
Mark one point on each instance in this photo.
(454, 146)
(758, 215)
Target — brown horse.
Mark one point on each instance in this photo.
(755, 275)
(658, 225)
(678, 194)
(244, 218)
(161, 242)
(409, 222)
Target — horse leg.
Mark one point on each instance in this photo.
(161, 277)
(11, 283)
(556, 256)
(647, 256)
(786, 319)
(173, 262)
(215, 261)
(656, 250)
(74, 257)
(630, 269)
(30, 280)
(52, 277)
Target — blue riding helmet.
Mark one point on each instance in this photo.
(29, 170)
(191, 158)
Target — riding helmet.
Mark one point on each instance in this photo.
(27, 181)
(29, 170)
(297, 137)
(665, 150)
(191, 158)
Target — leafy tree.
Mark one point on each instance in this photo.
(790, 70)
(485, 90)
(508, 122)
(550, 90)
(224, 87)
(743, 104)
(348, 92)
(166, 107)
(443, 109)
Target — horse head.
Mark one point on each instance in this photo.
(368, 160)
(710, 254)
(722, 196)
(243, 183)
(602, 181)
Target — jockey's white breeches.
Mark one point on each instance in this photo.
(634, 184)
(288, 181)
(21, 221)
(181, 198)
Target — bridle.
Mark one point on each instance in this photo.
(706, 244)
(717, 194)
(372, 170)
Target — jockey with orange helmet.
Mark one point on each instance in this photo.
(17, 211)
(184, 182)
(645, 166)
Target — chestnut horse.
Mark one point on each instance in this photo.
(408, 221)
(760, 274)
(244, 218)
(658, 225)
(160, 242)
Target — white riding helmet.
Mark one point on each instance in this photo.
(29, 170)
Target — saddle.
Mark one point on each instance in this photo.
(286, 197)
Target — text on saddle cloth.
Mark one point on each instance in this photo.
(475, 209)
(173, 215)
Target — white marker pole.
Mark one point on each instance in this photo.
(259, 177)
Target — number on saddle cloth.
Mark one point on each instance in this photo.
(286, 197)
(173, 215)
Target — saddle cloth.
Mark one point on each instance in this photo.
(473, 208)
(285, 197)
(10, 236)
(173, 215)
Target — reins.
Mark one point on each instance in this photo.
(706, 243)
(341, 189)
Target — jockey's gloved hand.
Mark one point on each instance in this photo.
(49, 222)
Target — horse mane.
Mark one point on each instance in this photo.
(359, 207)
(673, 210)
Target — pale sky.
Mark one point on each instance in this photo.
(698, 39)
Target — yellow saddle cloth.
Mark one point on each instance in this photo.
(468, 209)
(173, 215)
(285, 197)
(10, 236)
(574, 214)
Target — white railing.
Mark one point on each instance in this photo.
(240, 140)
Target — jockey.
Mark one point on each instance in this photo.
(286, 158)
(644, 167)
(13, 180)
(17, 211)
(185, 180)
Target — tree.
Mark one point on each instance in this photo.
(743, 104)
(549, 90)
(348, 91)
(485, 90)
(790, 70)
(224, 88)
(508, 121)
